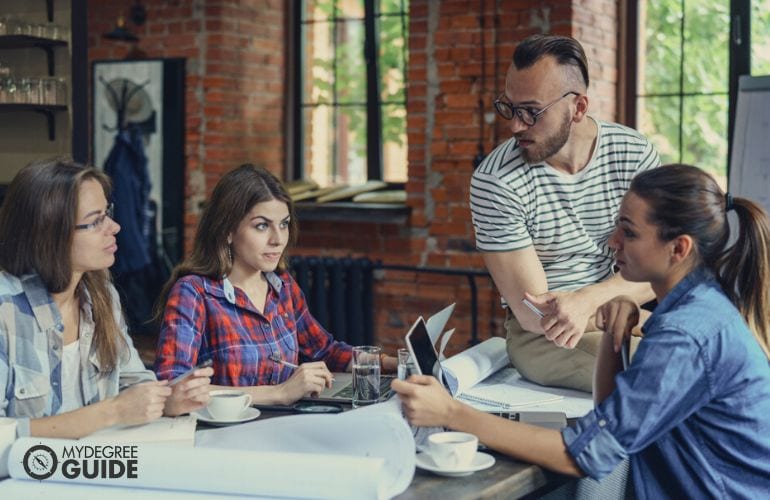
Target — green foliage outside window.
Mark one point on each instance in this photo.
(760, 37)
(683, 95)
(346, 65)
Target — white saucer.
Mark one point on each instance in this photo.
(249, 413)
(480, 462)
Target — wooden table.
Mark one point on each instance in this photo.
(506, 479)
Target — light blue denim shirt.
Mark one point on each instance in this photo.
(31, 349)
(693, 408)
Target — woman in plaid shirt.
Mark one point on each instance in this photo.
(234, 302)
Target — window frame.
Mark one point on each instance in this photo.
(739, 51)
(295, 146)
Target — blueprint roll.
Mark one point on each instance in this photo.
(7, 437)
(173, 469)
(373, 447)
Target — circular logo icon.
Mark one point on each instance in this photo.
(40, 462)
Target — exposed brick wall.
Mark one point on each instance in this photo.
(235, 99)
(595, 24)
(445, 85)
(234, 85)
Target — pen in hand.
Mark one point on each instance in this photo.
(277, 358)
(188, 373)
(532, 307)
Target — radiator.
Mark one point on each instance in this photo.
(339, 293)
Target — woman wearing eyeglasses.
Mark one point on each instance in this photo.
(67, 366)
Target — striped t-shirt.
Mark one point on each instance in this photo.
(568, 218)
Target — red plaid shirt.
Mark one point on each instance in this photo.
(201, 322)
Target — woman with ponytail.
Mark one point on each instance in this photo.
(691, 409)
(67, 365)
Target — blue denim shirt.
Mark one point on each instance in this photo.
(693, 408)
(31, 350)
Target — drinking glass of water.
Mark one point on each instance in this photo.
(406, 366)
(366, 375)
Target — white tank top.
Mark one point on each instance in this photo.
(71, 392)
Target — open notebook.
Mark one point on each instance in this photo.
(481, 376)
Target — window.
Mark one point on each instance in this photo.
(349, 123)
(760, 38)
(687, 74)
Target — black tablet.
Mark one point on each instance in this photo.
(421, 348)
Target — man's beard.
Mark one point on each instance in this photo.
(551, 145)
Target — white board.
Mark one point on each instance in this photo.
(750, 162)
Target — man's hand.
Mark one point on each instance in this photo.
(565, 318)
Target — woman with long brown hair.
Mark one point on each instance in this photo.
(234, 302)
(691, 409)
(67, 365)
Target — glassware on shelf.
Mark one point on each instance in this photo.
(24, 91)
(39, 30)
(5, 85)
(14, 26)
(11, 91)
(48, 94)
(62, 33)
(61, 92)
(52, 31)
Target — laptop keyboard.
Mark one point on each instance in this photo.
(347, 391)
(510, 415)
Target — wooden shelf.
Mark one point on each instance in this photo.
(47, 45)
(26, 41)
(382, 213)
(48, 110)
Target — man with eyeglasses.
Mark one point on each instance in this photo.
(543, 205)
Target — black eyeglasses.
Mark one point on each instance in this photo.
(99, 221)
(528, 116)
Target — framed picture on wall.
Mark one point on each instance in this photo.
(138, 120)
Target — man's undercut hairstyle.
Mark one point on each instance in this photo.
(566, 50)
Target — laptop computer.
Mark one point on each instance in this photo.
(341, 390)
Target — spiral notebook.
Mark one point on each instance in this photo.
(482, 377)
(497, 392)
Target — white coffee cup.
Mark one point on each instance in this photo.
(452, 450)
(228, 404)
